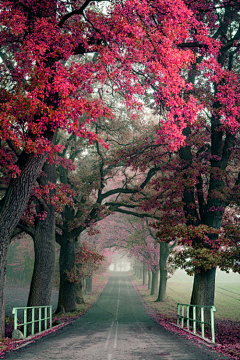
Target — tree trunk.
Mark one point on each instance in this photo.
(154, 286)
(164, 253)
(203, 292)
(43, 272)
(89, 284)
(149, 280)
(141, 272)
(204, 288)
(79, 293)
(12, 208)
(145, 274)
(44, 247)
(66, 297)
(3, 265)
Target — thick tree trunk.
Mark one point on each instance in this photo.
(164, 253)
(204, 288)
(43, 272)
(203, 292)
(66, 297)
(44, 247)
(154, 286)
(3, 265)
(89, 284)
(12, 208)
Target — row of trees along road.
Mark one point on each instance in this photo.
(180, 59)
(199, 186)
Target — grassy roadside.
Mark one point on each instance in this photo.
(227, 317)
(99, 283)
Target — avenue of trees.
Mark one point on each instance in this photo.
(120, 106)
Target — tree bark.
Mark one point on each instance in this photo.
(66, 297)
(149, 279)
(145, 274)
(204, 288)
(141, 272)
(43, 272)
(12, 207)
(203, 292)
(89, 284)
(79, 293)
(164, 253)
(154, 286)
(44, 247)
(3, 265)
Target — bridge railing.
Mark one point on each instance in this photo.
(184, 321)
(32, 315)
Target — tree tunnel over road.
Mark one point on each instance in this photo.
(115, 328)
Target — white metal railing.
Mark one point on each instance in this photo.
(190, 324)
(36, 317)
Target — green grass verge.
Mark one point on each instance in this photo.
(179, 288)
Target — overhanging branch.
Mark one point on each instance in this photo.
(74, 12)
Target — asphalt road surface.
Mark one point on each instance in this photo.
(115, 328)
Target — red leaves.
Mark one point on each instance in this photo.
(134, 40)
(87, 262)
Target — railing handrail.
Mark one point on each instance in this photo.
(205, 306)
(45, 318)
(194, 319)
(31, 307)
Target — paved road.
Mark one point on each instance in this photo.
(115, 328)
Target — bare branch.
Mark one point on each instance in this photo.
(74, 12)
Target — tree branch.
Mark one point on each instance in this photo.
(74, 12)
(113, 207)
(24, 228)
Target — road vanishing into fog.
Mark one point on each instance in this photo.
(115, 328)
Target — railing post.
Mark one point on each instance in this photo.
(194, 320)
(188, 306)
(50, 309)
(25, 322)
(40, 319)
(33, 320)
(212, 324)
(178, 313)
(202, 320)
(14, 312)
(45, 315)
(182, 319)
